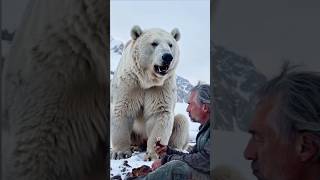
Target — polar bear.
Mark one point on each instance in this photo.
(54, 89)
(144, 93)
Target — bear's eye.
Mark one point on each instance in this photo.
(154, 44)
(170, 45)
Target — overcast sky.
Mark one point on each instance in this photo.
(269, 32)
(191, 17)
(11, 13)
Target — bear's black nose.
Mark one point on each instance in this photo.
(167, 58)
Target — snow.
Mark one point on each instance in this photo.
(136, 160)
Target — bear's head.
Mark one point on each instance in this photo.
(156, 51)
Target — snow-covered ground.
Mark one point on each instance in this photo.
(118, 167)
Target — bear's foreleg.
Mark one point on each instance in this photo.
(159, 125)
(120, 134)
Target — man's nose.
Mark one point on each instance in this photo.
(250, 153)
(188, 109)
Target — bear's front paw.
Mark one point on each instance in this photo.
(121, 154)
(150, 156)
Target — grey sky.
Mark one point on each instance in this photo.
(268, 32)
(192, 17)
(11, 12)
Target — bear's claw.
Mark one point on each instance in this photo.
(150, 156)
(121, 154)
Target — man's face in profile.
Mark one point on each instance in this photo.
(272, 157)
(194, 108)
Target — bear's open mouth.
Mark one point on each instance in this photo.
(162, 70)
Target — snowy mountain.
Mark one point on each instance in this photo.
(6, 41)
(116, 48)
(236, 80)
(184, 87)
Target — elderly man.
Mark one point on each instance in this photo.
(285, 142)
(196, 164)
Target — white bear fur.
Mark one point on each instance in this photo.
(54, 83)
(143, 101)
(179, 138)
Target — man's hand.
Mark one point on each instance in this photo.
(156, 164)
(160, 149)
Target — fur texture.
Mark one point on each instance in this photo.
(180, 137)
(56, 97)
(143, 99)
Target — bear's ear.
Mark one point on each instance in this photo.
(176, 34)
(135, 32)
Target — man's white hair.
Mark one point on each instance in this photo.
(297, 95)
(203, 93)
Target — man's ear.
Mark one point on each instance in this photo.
(307, 146)
(205, 108)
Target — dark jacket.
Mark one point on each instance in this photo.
(199, 157)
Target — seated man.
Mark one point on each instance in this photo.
(196, 164)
